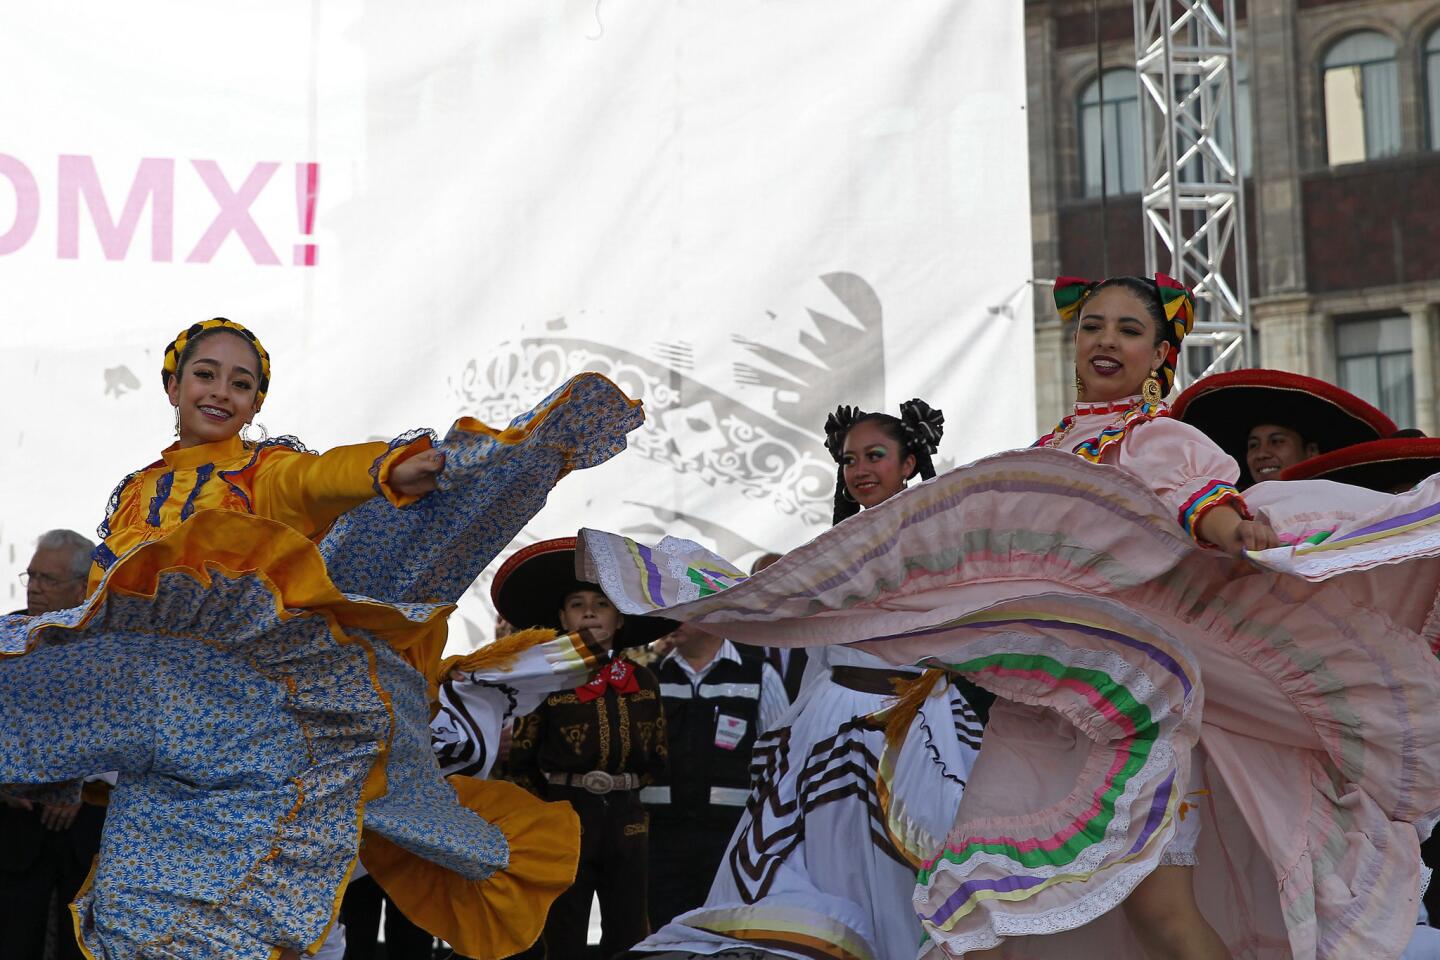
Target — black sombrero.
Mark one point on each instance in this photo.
(1226, 406)
(532, 584)
(1390, 466)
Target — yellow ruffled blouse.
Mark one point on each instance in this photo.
(277, 480)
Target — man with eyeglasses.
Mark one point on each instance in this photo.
(55, 578)
(46, 849)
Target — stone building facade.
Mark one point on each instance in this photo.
(1340, 146)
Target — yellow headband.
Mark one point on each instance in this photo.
(176, 350)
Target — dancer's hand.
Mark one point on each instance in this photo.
(1227, 529)
(1257, 535)
(416, 477)
(58, 816)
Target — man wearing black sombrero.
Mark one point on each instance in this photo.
(1270, 420)
(594, 746)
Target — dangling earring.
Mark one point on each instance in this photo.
(177, 420)
(1079, 387)
(1150, 390)
(245, 435)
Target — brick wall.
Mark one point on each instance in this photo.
(1373, 224)
(1081, 251)
(1075, 27)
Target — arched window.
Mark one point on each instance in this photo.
(1362, 98)
(1432, 85)
(1116, 123)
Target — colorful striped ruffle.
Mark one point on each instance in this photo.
(1133, 693)
(1207, 498)
(1094, 448)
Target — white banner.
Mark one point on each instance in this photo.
(743, 211)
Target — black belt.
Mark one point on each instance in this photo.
(871, 679)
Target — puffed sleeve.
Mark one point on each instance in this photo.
(484, 691)
(308, 492)
(1185, 469)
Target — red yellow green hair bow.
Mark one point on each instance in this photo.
(176, 350)
(1178, 304)
(1071, 294)
(1175, 301)
(1179, 309)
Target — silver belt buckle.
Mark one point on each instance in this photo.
(598, 782)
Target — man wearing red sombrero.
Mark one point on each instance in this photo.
(1269, 420)
(1393, 465)
(594, 746)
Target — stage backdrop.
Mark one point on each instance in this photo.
(743, 211)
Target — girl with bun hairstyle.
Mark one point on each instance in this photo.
(858, 783)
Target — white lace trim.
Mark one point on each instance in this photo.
(1178, 858)
(1097, 903)
(1322, 564)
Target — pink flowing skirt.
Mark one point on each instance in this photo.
(1304, 676)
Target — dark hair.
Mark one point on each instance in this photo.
(1283, 421)
(199, 338)
(580, 586)
(1149, 294)
(916, 432)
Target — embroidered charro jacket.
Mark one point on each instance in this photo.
(615, 732)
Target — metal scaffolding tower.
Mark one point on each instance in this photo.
(1194, 198)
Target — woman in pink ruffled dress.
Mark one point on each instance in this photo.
(1215, 734)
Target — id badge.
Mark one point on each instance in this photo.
(729, 731)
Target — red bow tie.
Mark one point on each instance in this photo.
(619, 674)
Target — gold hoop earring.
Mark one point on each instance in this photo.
(1150, 390)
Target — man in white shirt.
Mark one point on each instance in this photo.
(717, 701)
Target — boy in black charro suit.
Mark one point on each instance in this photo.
(595, 746)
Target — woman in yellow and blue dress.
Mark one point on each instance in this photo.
(257, 658)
